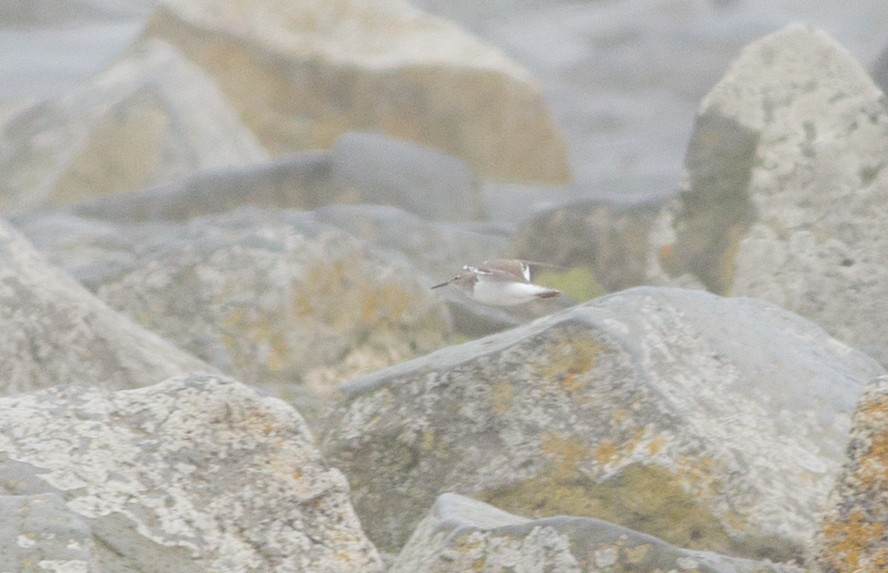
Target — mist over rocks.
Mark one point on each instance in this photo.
(269, 189)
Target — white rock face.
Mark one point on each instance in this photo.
(786, 190)
(196, 473)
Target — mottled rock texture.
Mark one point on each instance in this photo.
(274, 298)
(53, 331)
(38, 533)
(786, 190)
(195, 473)
(152, 116)
(301, 73)
(854, 532)
(711, 423)
(461, 534)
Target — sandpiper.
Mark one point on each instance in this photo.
(500, 282)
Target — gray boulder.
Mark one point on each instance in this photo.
(53, 331)
(373, 168)
(711, 423)
(461, 534)
(196, 473)
(274, 298)
(785, 189)
(361, 168)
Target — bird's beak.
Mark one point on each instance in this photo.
(442, 285)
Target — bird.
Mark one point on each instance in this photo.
(499, 282)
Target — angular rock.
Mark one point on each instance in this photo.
(274, 298)
(712, 423)
(39, 529)
(53, 331)
(302, 73)
(853, 534)
(785, 188)
(151, 117)
(461, 534)
(196, 473)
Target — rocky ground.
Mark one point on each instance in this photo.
(219, 350)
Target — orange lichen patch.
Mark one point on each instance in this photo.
(428, 440)
(567, 452)
(655, 446)
(502, 396)
(572, 353)
(569, 382)
(669, 260)
(848, 542)
(606, 452)
(873, 464)
(296, 474)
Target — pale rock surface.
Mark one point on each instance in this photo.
(196, 473)
(152, 116)
(853, 534)
(461, 534)
(711, 423)
(38, 533)
(302, 73)
(273, 297)
(53, 331)
(786, 190)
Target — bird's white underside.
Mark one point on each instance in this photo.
(504, 293)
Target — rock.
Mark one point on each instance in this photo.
(362, 168)
(39, 529)
(462, 534)
(785, 188)
(196, 473)
(52, 331)
(274, 298)
(879, 70)
(436, 251)
(151, 117)
(373, 168)
(711, 423)
(611, 241)
(298, 181)
(853, 536)
(301, 74)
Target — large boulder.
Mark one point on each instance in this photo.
(712, 423)
(853, 533)
(786, 189)
(152, 116)
(301, 73)
(196, 473)
(461, 534)
(53, 331)
(272, 297)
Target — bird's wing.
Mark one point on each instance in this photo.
(507, 269)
